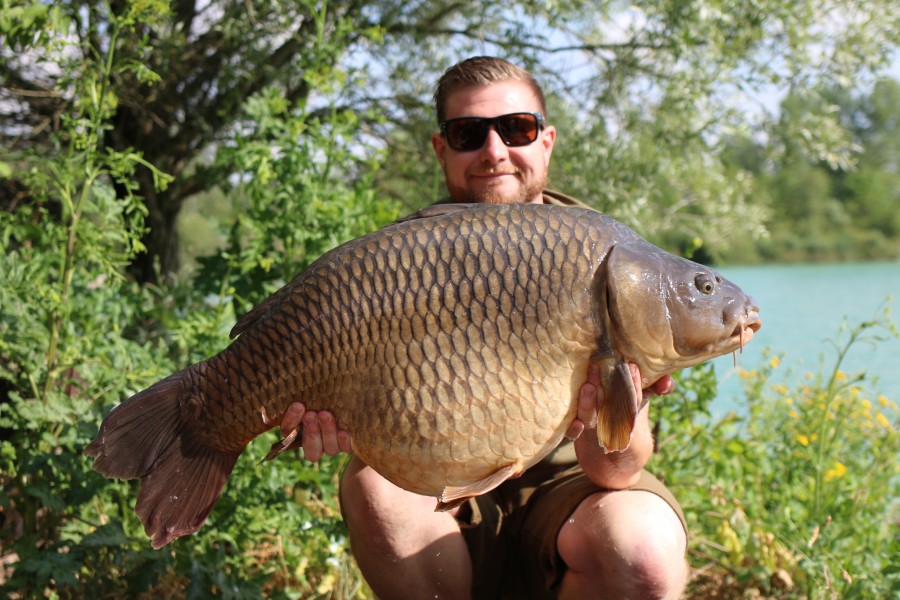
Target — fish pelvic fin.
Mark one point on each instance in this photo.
(452, 496)
(617, 415)
(147, 438)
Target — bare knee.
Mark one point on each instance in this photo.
(378, 513)
(403, 548)
(629, 543)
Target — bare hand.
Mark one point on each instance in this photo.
(590, 396)
(320, 432)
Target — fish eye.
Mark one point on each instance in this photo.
(705, 283)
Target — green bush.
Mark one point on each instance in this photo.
(794, 495)
(76, 338)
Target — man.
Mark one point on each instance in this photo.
(580, 524)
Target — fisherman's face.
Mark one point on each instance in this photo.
(495, 173)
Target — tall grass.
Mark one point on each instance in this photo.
(795, 494)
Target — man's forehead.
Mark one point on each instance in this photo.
(492, 100)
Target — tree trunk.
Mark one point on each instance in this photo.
(161, 238)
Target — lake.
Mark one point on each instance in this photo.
(802, 307)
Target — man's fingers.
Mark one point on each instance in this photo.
(635, 375)
(344, 441)
(329, 433)
(662, 386)
(575, 429)
(312, 437)
(292, 418)
(665, 385)
(587, 405)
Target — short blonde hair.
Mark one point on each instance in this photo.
(481, 70)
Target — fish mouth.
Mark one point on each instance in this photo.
(746, 328)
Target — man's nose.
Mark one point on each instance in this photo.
(493, 147)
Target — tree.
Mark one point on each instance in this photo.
(657, 72)
(872, 193)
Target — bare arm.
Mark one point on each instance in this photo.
(614, 470)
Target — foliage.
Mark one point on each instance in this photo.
(819, 210)
(795, 494)
(76, 337)
(290, 209)
(659, 84)
(646, 95)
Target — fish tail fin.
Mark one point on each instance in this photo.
(618, 415)
(147, 437)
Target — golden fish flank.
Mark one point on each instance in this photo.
(451, 346)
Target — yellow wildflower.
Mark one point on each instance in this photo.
(803, 439)
(794, 414)
(883, 421)
(774, 362)
(883, 401)
(866, 405)
(836, 472)
(789, 401)
(780, 389)
(840, 376)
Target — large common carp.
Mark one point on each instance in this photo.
(451, 346)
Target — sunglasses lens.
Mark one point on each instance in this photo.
(467, 134)
(518, 129)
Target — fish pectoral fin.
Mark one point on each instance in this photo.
(618, 414)
(292, 441)
(451, 496)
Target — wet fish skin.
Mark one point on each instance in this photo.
(451, 347)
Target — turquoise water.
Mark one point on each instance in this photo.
(802, 308)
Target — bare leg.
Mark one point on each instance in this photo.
(623, 545)
(403, 548)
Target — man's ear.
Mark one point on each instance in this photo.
(440, 146)
(548, 138)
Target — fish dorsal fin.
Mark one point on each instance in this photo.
(451, 496)
(255, 314)
(436, 210)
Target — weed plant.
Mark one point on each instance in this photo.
(796, 493)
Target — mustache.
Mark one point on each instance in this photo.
(496, 171)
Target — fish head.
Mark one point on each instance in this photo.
(668, 313)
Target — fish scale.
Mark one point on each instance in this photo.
(451, 346)
(481, 308)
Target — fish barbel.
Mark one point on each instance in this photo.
(450, 345)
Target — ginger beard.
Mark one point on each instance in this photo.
(490, 192)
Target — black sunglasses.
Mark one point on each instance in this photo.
(515, 129)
